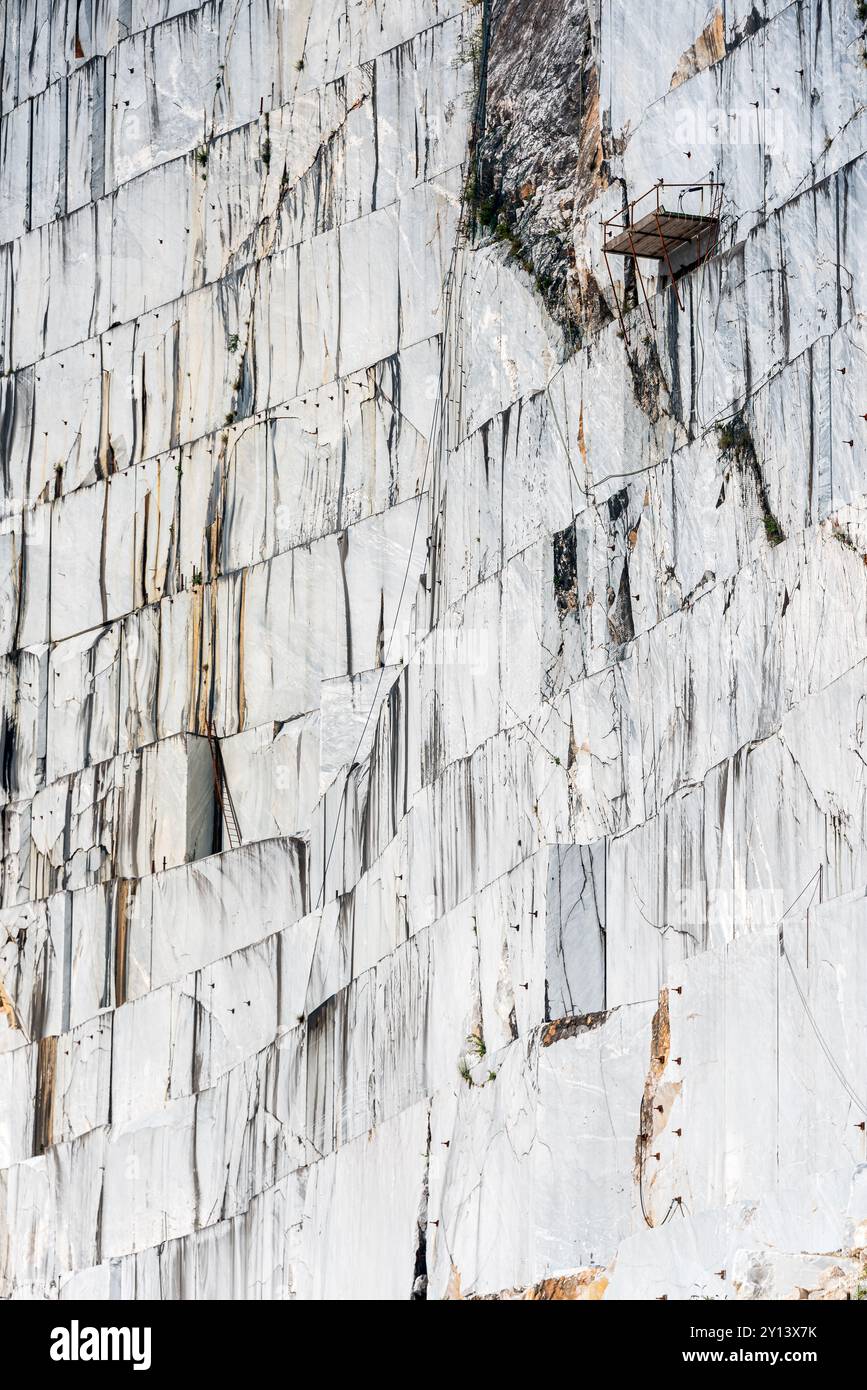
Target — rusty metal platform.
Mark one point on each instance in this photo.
(660, 233)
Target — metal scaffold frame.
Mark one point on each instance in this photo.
(659, 234)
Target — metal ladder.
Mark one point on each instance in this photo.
(221, 788)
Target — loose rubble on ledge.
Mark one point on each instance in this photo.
(434, 725)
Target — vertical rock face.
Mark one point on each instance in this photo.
(433, 728)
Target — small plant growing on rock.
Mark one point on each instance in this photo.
(476, 1044)
(232, 342)
(506, 233)
(734, 439)
(486, 211)
(861, 15)
(841, 534)
(471, 52)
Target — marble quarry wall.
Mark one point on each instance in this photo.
(433, 748)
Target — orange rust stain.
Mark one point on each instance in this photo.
(657, 1093)
(582, 442)
(453, 1291)
(708, 48)
(568, 1027)
(120, 940)
(202, 673)
(584, 1285)
(588, 1285)
(106, 449)
(8, 1008)
(46, 1073)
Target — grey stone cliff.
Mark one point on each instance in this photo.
(433, 755)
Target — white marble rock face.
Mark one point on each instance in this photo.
(530, 957)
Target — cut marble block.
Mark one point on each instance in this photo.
(123, 818)
(575, 930)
